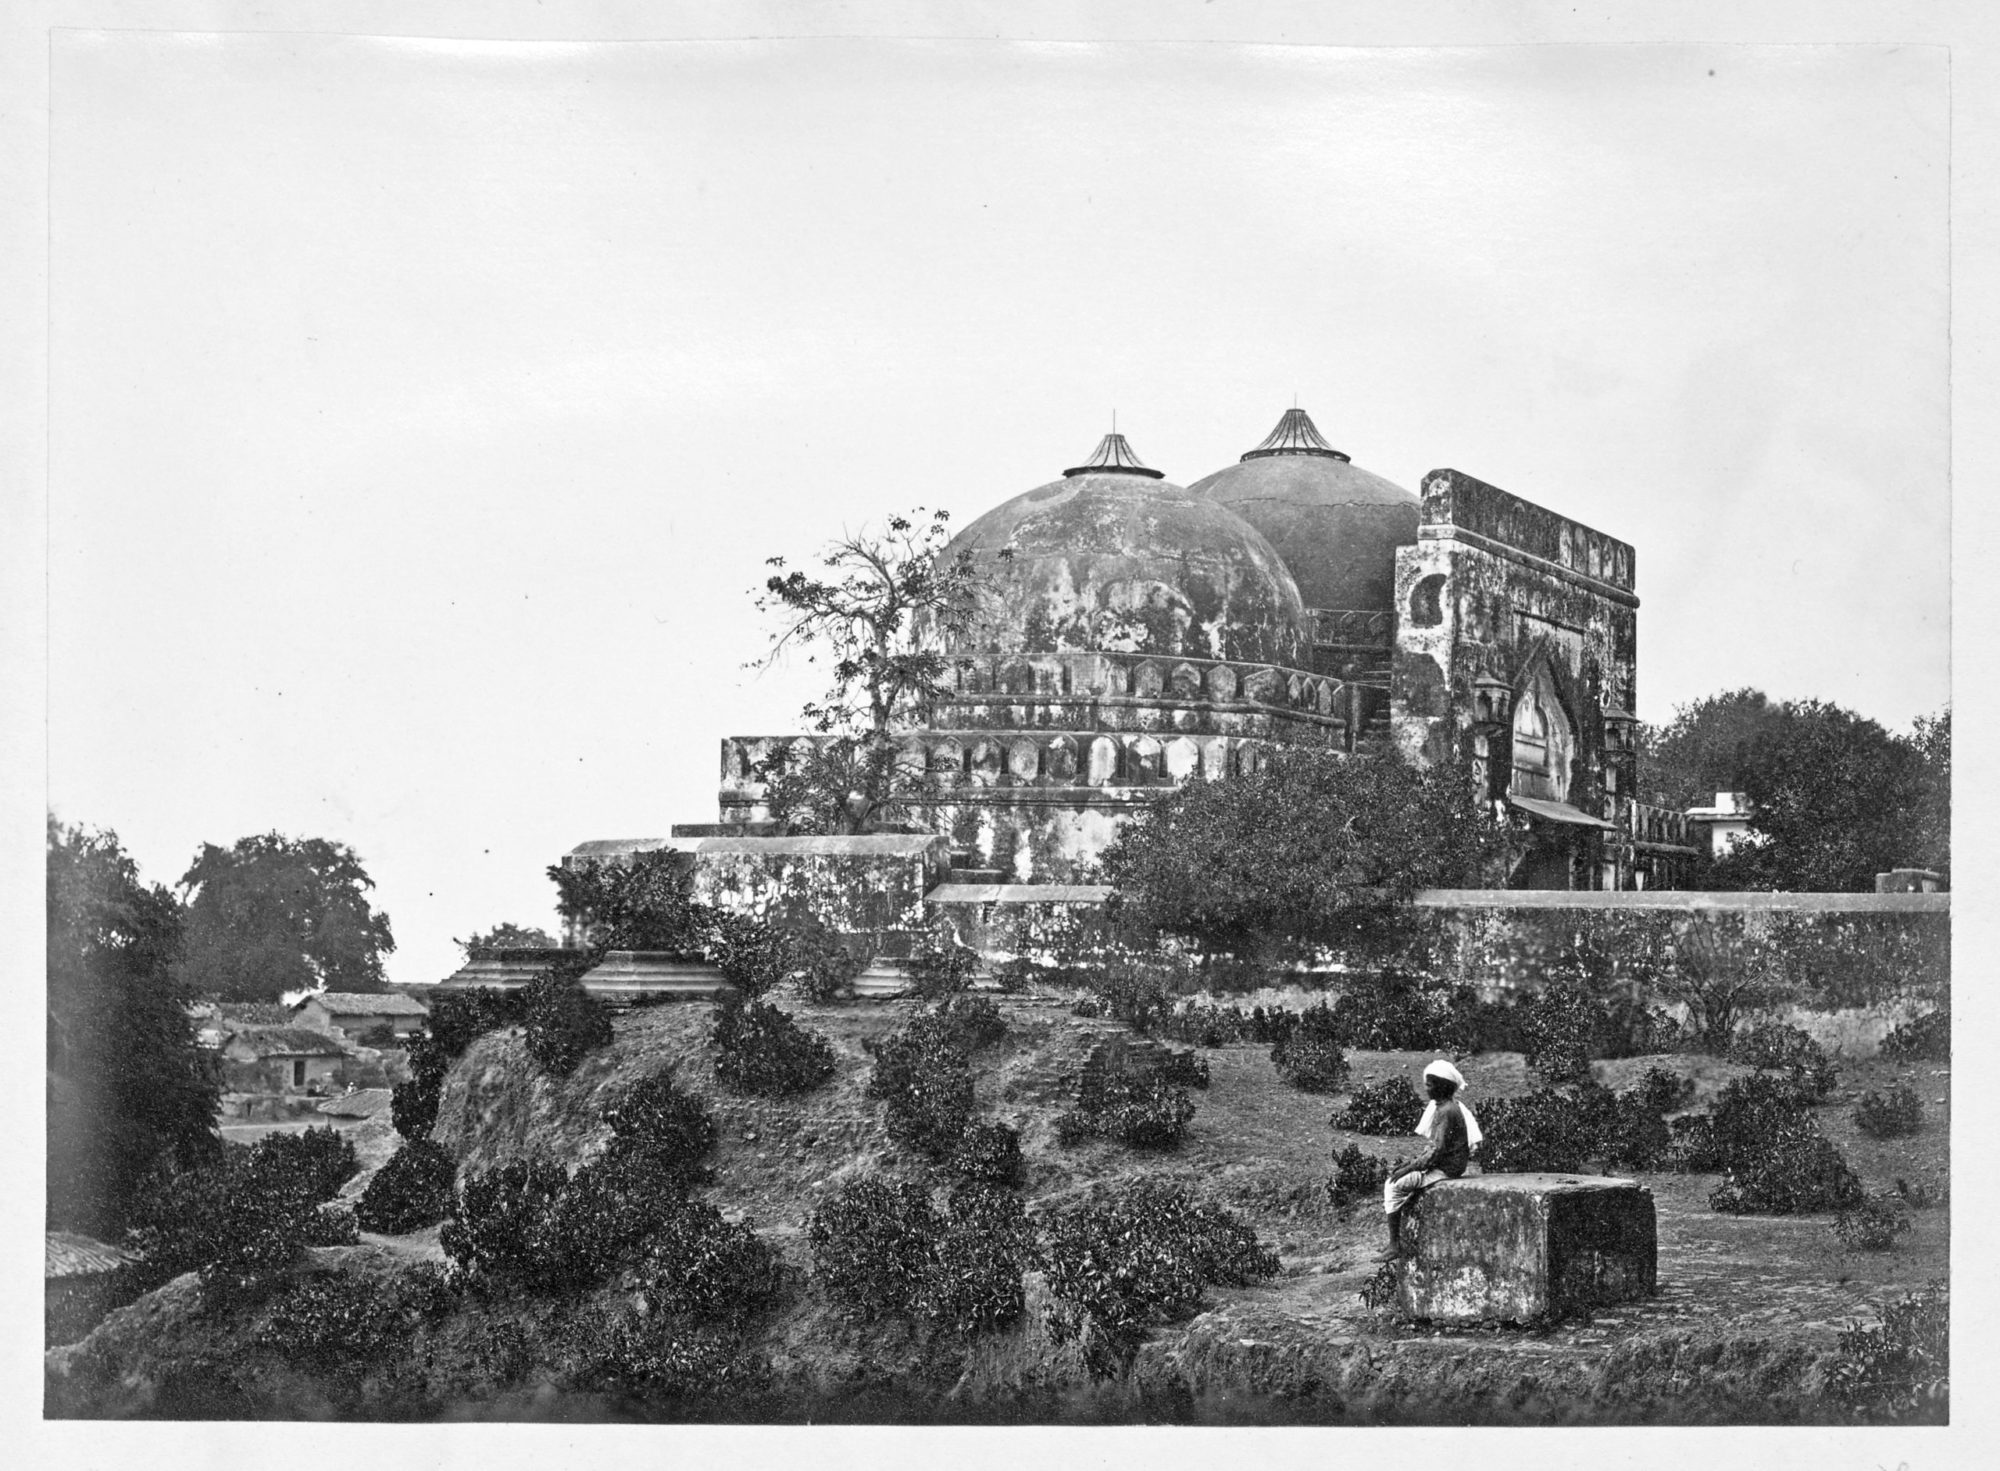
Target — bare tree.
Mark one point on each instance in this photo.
(881, 613)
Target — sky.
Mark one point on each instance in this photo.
(422, 412)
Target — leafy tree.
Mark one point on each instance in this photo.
(1928, 816)
(1833, 795)
(129, 1090)
(1315, 848)
(509, 937)
(879, 615)
(274, 914)
(1704, 749)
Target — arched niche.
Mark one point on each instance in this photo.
(1544, 740)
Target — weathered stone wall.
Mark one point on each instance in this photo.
(1023, 921)
(871, 884)
(1827, 952)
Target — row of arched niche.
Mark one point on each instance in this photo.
(1133, 676)
(1048, 760)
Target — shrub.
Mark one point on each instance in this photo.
(1391, 1106)
(1545, 1130)
(940, 968)
(503, 1227)
(1357, 1175)
(980, 1245)
(1899, 1370)
(1308, 1056)
(1925, 1039)
(564, 1022)
(1394, 1011)
(752, 955)
(989, 1153)
(871, 1247)
(1135, 987)
(1143, 1111)
(698, 1265)
(671, 1128)
(1183, 1069)
(1138, 1255)
(1773, 1045)
(413, 1104)
(1796, 1170)
(660, 1362)
(922, 1075)
(322, 1159)
(456, 1018)
(236, 1222)
(1561, 1026)
(1691, 1145)
(1874, 1224)
(1664, 1091)
(760, 1050)
(411, 1191)
(1893, 1115)
(1631, 1130)
(824, 960)
(1016, 975)
(973, 1022)
(331, 1322)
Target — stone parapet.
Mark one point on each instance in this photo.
(1526, 1248)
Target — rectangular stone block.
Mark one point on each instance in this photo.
(1527, 1248)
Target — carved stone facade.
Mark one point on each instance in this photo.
(1144, 635)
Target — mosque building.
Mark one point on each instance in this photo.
(1143, 634)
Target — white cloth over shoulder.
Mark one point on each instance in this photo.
(1443, 1069)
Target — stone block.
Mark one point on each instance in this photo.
(1526, 1248)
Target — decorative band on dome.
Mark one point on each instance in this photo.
(1295, 435)
(1114, 457)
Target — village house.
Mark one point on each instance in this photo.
(356, 1014)
(281, 1060)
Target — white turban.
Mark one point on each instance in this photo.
(1443, 1069)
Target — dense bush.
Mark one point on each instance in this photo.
(1664, 1091)
(760, 1050)
(824, 961)
(411, 1191)
(564, 1022)
(1544, 1130)
(1309, 1056)
(240, 1220)
(1141, 1110)
(1391, 1106)
(973, 1022)
(698, 1265)
(1357, 1175)
(1891, 1115)
(322, 1159)
(921, 1074)
(882, 1251)
(1927, 1191)
(871, 1247)
(333, 1322)
(990, 1153)
(1135, 1256)
(503, 1227)
(752, 955)
(662, 1364)
(456, 1018)
(1561, 1026)
(1900, 1370)
(1208, 1025)
(940, 968)
(1396, 1011)
(1183, 1069)
(1794, 1170)
(1925, 1039)
(1874, 1224)
(671, 1128)
(1774, 1045)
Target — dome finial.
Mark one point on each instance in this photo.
(1295, 435)
(1113, 457)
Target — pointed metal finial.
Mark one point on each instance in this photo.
(1113, 456)
(1295, 435)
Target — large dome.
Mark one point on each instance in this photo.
(1114, 559)
(1336, 525)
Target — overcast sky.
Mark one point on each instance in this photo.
(423, 411)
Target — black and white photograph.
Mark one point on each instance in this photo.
(767, 716)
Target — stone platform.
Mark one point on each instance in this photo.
(1526, 1248)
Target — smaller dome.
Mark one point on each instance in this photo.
(1336, 525)
(1115, 558)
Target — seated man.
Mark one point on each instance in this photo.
(1453, 1133)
